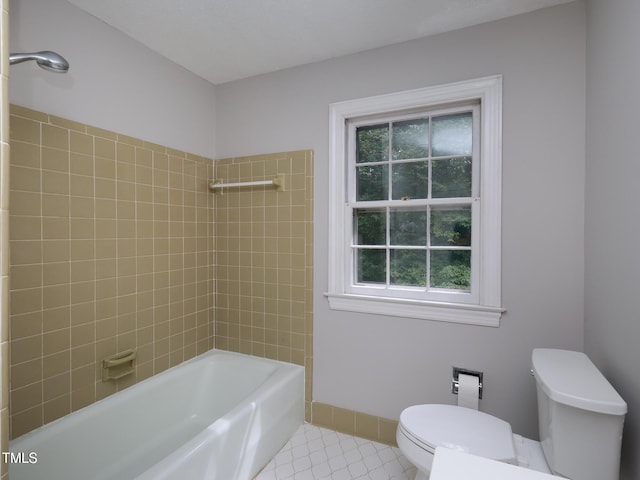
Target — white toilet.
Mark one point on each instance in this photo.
(580, 418)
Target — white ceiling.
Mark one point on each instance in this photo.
(225, 40)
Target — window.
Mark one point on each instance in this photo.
(411, 192)
(415, 196)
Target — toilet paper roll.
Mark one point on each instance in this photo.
(468, 391)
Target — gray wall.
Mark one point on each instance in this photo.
(379, 365)
(114, 82)
(612, 317)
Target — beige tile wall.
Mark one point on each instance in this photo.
(4, 235)
(111, 249)
(264, 259)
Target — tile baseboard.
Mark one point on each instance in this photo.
(355, 423)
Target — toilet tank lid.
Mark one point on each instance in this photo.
(570, 378)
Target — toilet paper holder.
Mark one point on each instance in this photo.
(455, 383)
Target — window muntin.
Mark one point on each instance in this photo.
(411, 187)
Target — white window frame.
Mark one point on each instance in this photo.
(485, 308)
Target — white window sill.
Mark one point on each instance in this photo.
(437, 311)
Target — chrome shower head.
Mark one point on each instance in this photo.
(48, 60)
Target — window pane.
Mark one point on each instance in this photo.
(452, 135)
(451, 178)
(372, 143)
(372, 266)
(372, 182)
(408, 267)
(408, 227)
(411, 139)
(410, 180)
(451, 226)
(451, 269)
(371, 227)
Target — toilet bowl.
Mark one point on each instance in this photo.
(579, 413)
(422, 428)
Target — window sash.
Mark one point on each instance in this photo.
(413, 292)
(387, 118)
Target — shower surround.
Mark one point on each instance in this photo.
(111, 248)
(117, 243)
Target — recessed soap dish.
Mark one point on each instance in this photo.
(118, 365)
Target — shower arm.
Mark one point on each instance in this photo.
(20, 57)
(25, 57)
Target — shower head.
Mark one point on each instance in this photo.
(48, 60)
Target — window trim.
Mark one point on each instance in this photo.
(488, 310)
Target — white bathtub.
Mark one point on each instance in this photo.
(218, 416)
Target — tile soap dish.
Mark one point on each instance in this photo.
(118, 365)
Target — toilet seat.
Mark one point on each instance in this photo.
(458, 428)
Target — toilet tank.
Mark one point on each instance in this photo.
(580, 416)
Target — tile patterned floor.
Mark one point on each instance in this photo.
(315, 453)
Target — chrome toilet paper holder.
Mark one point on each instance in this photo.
(455, 382)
